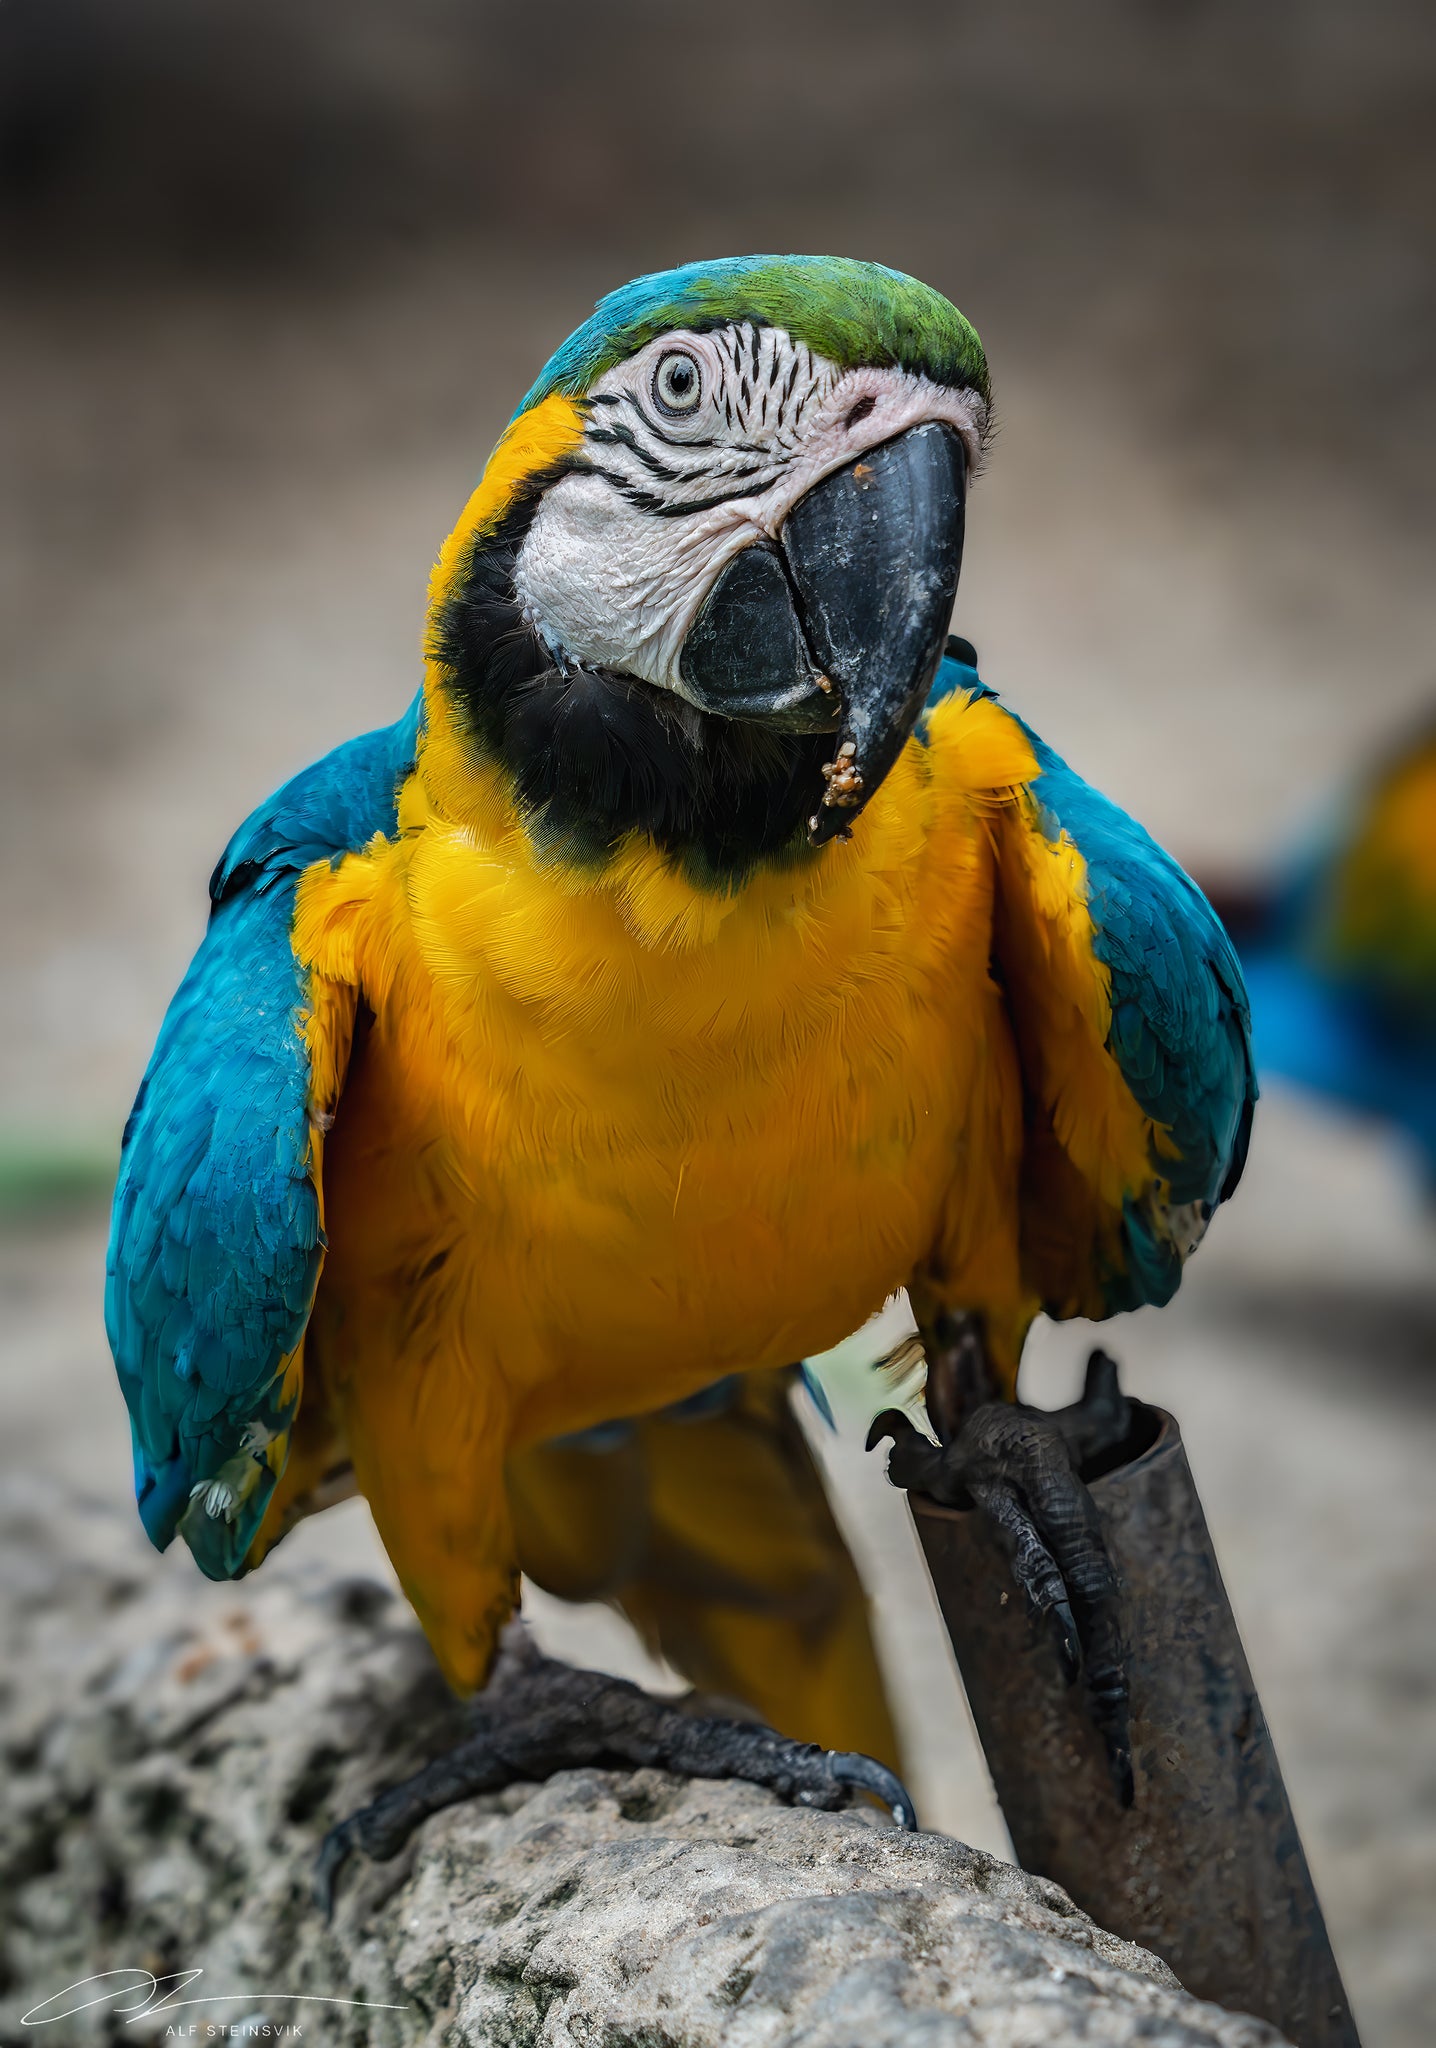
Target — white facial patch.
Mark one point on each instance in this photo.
(696, 447)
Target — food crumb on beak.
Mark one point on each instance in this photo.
(844, 780)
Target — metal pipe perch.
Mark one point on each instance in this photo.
(1206, 1867)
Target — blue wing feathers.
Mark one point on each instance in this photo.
(204, 1306)
(1181, 1027)
(215, 1242)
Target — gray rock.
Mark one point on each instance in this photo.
(175, 1751)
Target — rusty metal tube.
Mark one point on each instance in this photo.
(1206, 1868)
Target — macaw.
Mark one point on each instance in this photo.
(706, 954)
(1340, 952)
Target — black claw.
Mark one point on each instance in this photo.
(334, 1852)
(1020, 1467)
(1102, 1419)
(865, 1774)
(915, 1462)
(1108, 1695)
(1119, 1761)
(1100, 1381)
(540, 1716)
(1069, 1643)
(891, 1423)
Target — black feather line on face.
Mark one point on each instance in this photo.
(594, 756)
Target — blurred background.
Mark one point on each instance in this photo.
(276, 273)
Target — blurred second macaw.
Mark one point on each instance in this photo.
(1340, 953)
(703, 957)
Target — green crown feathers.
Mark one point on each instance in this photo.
(855, 314)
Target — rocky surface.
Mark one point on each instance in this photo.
(175, 1751)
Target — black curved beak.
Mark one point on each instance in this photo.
(842, 628)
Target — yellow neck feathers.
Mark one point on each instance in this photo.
(462, 785)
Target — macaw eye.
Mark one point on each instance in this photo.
(677, 382)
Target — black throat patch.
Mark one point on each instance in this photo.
(594, 756)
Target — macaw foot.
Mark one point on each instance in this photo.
(537, 1716)
(1022, 1467)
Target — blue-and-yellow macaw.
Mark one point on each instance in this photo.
(1340, 953)
(704, 955)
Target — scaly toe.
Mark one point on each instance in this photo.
(1019, 1467)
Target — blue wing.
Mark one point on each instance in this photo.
(1181, 1025)
(215, 1243)
(1180, 1033)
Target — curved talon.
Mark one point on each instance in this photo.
(1103, 1416)
(891, 1423)
(865, 1774)
(1118, 1744)
(334, 1852)
(1039, 1577)
(1021, 1468)
(545, 1717)
(1100, 1385)
(916, 1463)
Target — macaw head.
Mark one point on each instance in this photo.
(704, 584)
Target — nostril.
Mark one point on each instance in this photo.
(859, 412)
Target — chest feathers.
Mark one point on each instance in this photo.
(627, 1107)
